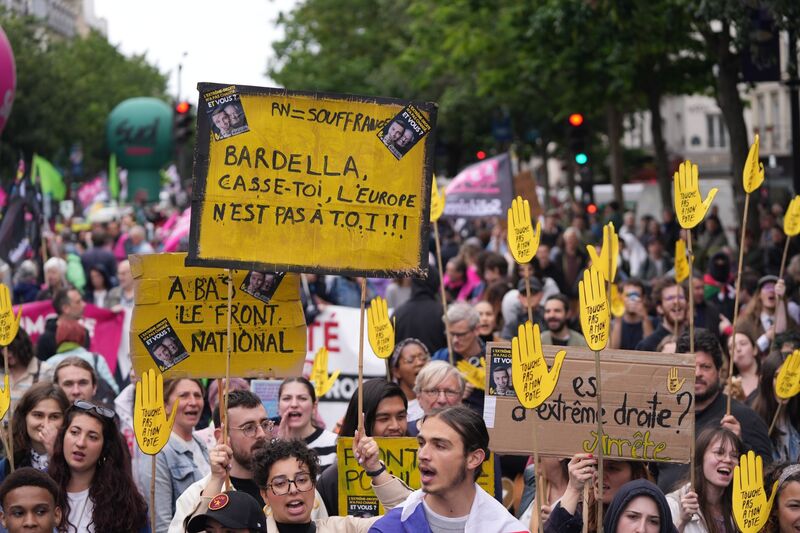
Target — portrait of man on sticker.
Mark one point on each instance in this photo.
(262, 285)
(403, 131)
(163, 345)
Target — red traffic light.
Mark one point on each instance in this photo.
(182, 107)
(481, 155)
(591, 209)
(576, 119)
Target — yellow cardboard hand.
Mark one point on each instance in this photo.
(750, 505)
(787, 383)
(150, 423)
(522, 240)
(673, 383)
(9, 324)
(595, 316)
(5, 397)
(617, 303)
(319, 374)
(533, 382)
(791, 220)
(610, 246)
(437, 201)
(753, 174)
(681, 261)
(381, 332)
(689, 204)
(474, 375)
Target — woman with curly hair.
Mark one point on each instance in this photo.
(92, 467)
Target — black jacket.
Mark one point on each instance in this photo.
(421, 315)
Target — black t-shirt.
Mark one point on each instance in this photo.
(248, 486)
(559, 342)
(632, 334)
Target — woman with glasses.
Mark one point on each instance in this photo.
(409, 357)
(439, 384)
(91, 466)
(707, 509)
(34, 426)
(184, 459)
(297, 407)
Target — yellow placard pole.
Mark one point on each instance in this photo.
(8, 439)
(736, 300)
(441, 288)
(226, 384)
(361, 358)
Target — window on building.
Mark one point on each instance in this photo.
(716, 132)
(761, 114)
(775, 105)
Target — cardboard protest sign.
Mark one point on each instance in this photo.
(150, 422)
(617, 303)
(681, 261)
(753, 173)
(9, 324)
(533, 382)
(689, 204)
(610, 248)
(311, 182)
(787, 383)
(474, 375)
(356, 497)
(319, 374)
(481, 190)
(642, 419)
(595, 312)
(791, 220)
(438, 200)
(523, 241)
(179, 324)
(381, 332)
(751, 507)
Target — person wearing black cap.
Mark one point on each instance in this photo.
(639, 507)
(510, 327)
(234, 511)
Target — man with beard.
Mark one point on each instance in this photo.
(248, 428)
(453, 444)
(671, 305)
(710, 406)
(555, 317)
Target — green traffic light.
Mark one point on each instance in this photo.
(581, 158)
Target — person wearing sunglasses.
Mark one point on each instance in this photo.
(92, 467)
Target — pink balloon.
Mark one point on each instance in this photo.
(8, 79)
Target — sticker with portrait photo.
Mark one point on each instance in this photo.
(226, 112)
(262, 285)
(500, 383)
(404, 131)
(163, 345)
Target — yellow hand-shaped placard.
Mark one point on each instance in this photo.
(787, 384)
(319, 374)
(791, 220)
(610, 246)
(617, 303)
(5, 397)
(750, 505)
(9, 324)
(681, 261)
(689, 204)
(533, 382)
(595, 316)
(437, 201)
(753, 174)
(381, 332)
(522, 240)
(149, 413)
(474, 375)
(673, 383)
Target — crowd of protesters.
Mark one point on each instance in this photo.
(76, 466)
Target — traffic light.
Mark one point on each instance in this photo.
(481, 155)
(578, 139)
(182, 124)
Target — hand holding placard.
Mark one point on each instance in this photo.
(437, 201)
(319, 374)
(791, 220)
(9, 324)
(753, 174)
(474, 375)
(787, 383)
(610, 246)
(150, 422)
(594, 310)
(533, 382)
(681, 261)
(750, 505)
(381, 332)
(523, 241)
(689, 204)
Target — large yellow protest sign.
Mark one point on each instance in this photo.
(179, 323)
(311, 182)
(648, 407)
(356, 496)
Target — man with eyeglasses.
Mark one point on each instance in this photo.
(635, 324)
(249, 429)
(672, 307)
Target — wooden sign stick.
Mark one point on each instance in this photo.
(528, 298)
(441, 287)
(586, 488)
(361, 357)
(8, 439)
(775, 419)
(153, 492)
(691, 291)
(599, 449)
(540, 489)
(736, 299)
(224, 405)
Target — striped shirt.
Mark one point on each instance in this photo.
(324, 443)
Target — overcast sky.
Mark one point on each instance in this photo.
(224, 43)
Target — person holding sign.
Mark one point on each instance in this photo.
(785, 433)
(635, 324)
(766, 313)
(707, 508)
(297, 406)
(785, 516)
(92, 467)
(670, 299)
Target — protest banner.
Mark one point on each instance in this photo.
(483, 189)
(267, 392)
(180, 318)
(399, 454)
(104, 326)
(325, 183)
(646, 416)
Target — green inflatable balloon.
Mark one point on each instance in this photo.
(139, 131)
